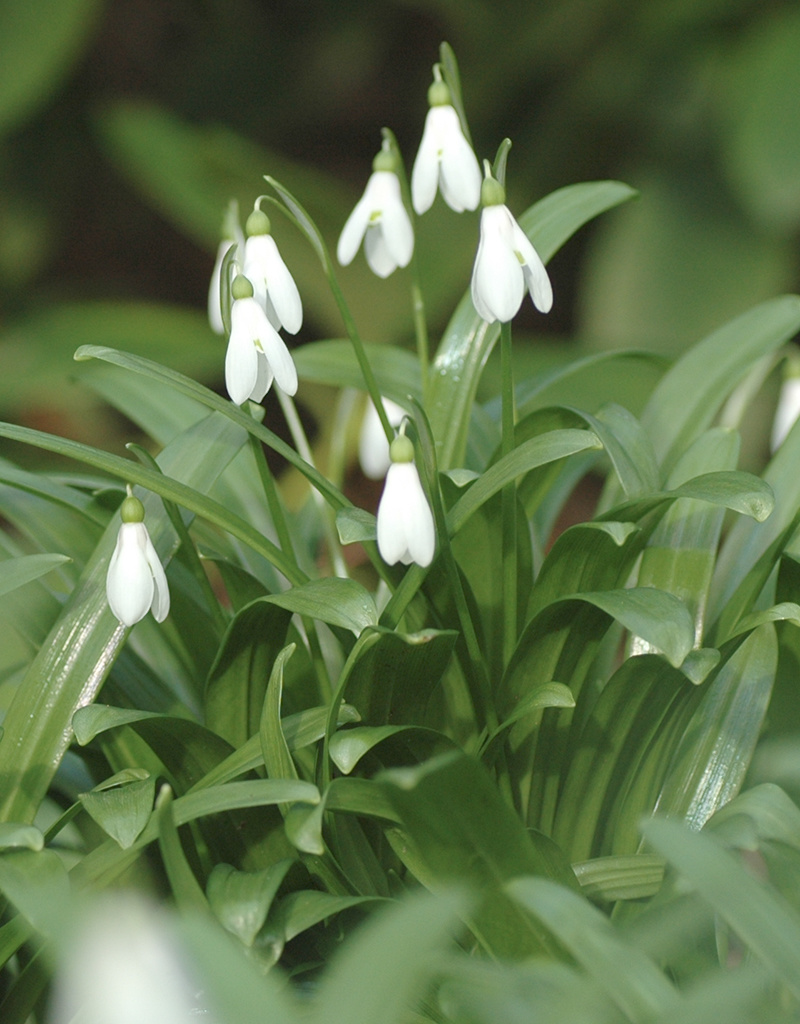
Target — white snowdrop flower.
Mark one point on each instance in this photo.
(788, 409)
(124, 966)
(273, 285)
(373, 448)
(256, 352)
(405, 522)
(444, 158)
(506, 264)
(381, 220)
(136, 582)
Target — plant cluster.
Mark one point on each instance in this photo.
(549, 729)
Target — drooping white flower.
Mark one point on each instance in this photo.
(122, 964)
(381, 220)
(373, 448)
(256, 352)
(444, 158)
(273, 285)
(405, 522)
(506, 264)
(788, 409)
(136, 582)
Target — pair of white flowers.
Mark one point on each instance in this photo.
(506, 265)
(265, 299)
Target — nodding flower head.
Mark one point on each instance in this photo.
(256, 354)
(136, 582)
(405, 522)
(381, 220)
(273, 285)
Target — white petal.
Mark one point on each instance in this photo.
(248, 323)
(391, 517)
(129, 581)
(394, 222)
(459, 171)
(536, 280)
(420, 532)
(264, 378)
(353, 230)
(497, 278)
(214, 300)
(425, 173)
(281, 288)
(380, 260)
(280, 360)
(160, 602)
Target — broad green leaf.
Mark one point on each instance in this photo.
(17, 572)
(83, 643)
(304, 908)
(27, 837)
(628, 976)
(237, 680)
(354, 525)
(348, 746)
(36, 883)
(185, 887)
(557, 444)
(303, 825)
(774, 815)
(241, 899)
(122, 811)
(388, 963)
(466, 833)
(274, 748)
(339, 602)
(547, 695)
(714, 753)
(468, 340)
(39, 43)
(620, 878)
(690, 394)
(764, 922)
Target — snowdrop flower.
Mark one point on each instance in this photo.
(788, 406)
(135, 582)
(373, 448)
(123, 965)
(405, 522)
(381, 220)
(273, 285)
(506, 264)
(445, 158)
(256, 352)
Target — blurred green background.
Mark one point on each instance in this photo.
(127, 126)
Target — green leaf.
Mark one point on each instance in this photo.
(690, 394)
(355, 525)
(715, 749)
(380, 972)
(348, 746)
(335, 363)
(27, 837)
(468, 340)
(627, 975)
(301, 910)
(19, 571)
(36, 883)
(122, 810)
(549, 447)
(764, 922)
(339, 602)
(236, 682)
(86, 638)
(465, 833)
(274, 748)
(620, 878)
(241, 899)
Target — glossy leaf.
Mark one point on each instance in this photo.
(123, 809)
(241, 899)
(339, 602)
(19, 571)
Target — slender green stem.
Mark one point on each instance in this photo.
(275, 505)
(509, 500)
(304, 450)
(420, 327)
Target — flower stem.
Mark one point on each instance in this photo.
(509, 500)
(420, 326)
(304, 450)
